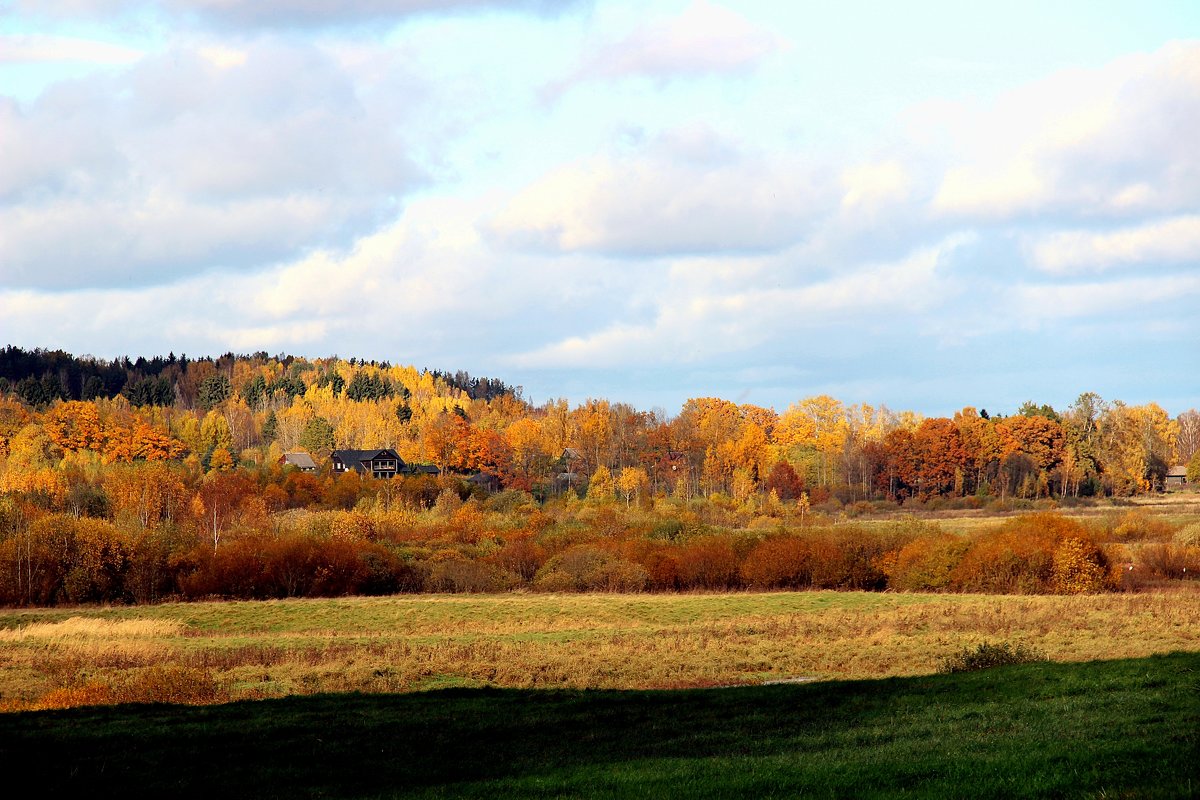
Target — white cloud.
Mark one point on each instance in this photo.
(674, 197)
(873, 187)
(1083, 142)
(1171, 241)
(703, 39)
(265, 14)
(35, 48)
(202, 157)
(703, 317)
(1000, 190)
(424, 288)
(1035, 305)
(154, 238)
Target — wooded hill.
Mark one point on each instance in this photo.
(249, 409)
(167, 482)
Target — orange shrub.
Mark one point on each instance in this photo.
(1019, 558)
(303, 489)
(521, 556)
(708, 562)
(925, 564)
(92, 693)
(658, 559)
(171, 684)
(780, 562)
(57, 558)
(850, 558)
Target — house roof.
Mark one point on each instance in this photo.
(300, 459)
(356, 459)
(1177, 472)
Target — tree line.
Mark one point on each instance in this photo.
(122, 491)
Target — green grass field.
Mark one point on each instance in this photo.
(591, 695)
(1128, 728)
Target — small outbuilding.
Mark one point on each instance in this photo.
(298, 459)
(1177, 476)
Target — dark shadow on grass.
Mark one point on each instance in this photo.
(1122, 728)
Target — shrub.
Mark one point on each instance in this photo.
(170, 684)
(1019, 557)
(91, 693)
(987, 655)
(848, 557)
(659, 561)
(963, 503)
(667, 530)
(925, 564)
(1189, 536)
(1079, 567)
(1136, 525)
(587, 568)
(1170, 560)
(779, 562)
(521, 556)
(510, 501)
(450, 572)
(708, 562)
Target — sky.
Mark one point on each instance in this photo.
(925, 205)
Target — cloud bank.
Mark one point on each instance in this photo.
(269, 176)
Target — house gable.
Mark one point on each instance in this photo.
(385, 463)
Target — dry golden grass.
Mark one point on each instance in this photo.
(212, 652)
(84, 628)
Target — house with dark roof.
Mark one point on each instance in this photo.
(385, 463)
(298, 459)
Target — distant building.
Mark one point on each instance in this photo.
(385, 463)
(300, 460)
(1177, 476)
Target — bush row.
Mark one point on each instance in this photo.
(60, 559)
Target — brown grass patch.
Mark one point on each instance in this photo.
(543, 641)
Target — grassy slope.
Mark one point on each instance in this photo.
(1111, 729)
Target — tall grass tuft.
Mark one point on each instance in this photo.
(988, 655)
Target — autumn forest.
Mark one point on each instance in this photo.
(139, 481)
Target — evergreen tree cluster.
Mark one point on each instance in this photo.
(39, 377)
(478, 388)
